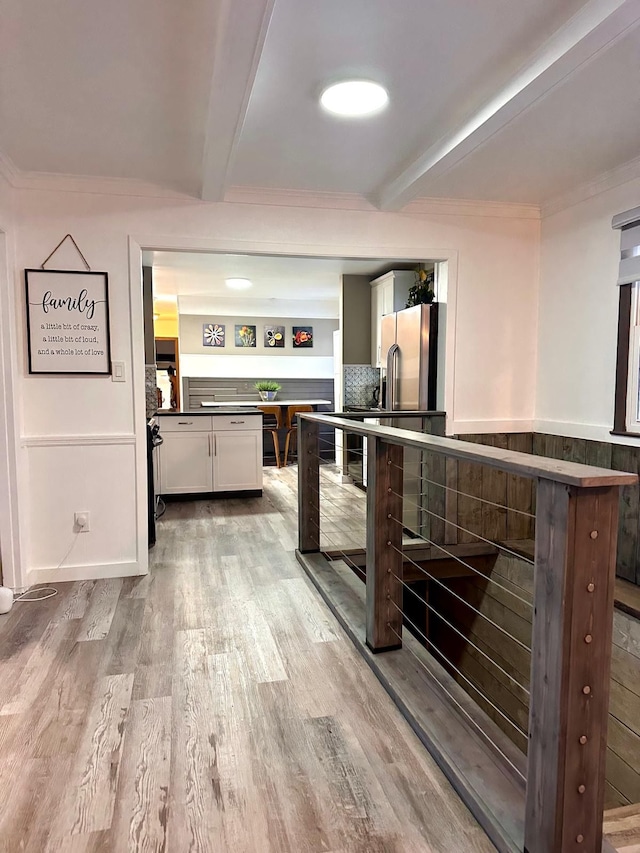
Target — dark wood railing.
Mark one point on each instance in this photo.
(575, 552)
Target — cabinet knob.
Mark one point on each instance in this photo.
(185, 423)
(237, 422)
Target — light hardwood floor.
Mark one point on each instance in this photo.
(214, 705)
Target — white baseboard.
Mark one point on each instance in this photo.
(84, 573)
(475, 427)
(593, 432)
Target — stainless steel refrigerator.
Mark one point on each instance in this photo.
(408, 383)
(409, 351)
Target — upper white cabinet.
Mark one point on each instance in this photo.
(210, 454)
(389, 293)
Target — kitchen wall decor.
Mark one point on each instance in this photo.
(68, 321)
(245, 336)
(213, 335)
(302, 336)
(274, 336)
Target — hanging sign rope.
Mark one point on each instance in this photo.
(66, 237)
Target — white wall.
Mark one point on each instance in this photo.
(11, 534)
(578, 316)
(81, 434)
(232, 362)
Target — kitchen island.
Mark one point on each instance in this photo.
(210, 453)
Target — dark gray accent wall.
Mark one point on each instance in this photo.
(356, 319)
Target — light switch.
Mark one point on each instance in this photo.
(117, 371)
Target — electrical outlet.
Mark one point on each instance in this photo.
(82, 522)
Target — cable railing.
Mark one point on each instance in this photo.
(511, 655)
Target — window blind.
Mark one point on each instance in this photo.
(629, 225)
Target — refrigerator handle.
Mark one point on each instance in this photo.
(392, 356)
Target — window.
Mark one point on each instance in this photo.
(633, 373)
(627, 396)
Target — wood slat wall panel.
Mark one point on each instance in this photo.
(520, 491)
(494, 490)
(521, 495)
(623, 758)
(626, 459)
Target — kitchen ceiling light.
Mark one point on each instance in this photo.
(354, 98)
(238, 283)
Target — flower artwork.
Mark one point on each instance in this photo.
(302, 336)
(245, 336)
(212, 335)
(274, 336)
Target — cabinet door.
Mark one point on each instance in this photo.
(376, 315)
(387, 297)
(186, 463)
(237, 460)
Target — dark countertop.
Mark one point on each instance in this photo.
(227, 410)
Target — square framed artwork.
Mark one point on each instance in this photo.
(302, 336)
(68, 321)
(274, 337)
(213, 335)
(245, 336)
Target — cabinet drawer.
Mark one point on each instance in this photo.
(222, 423)
(186, 423)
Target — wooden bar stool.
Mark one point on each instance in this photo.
(272, 422)
(292, 428)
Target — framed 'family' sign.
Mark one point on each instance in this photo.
(68, 321)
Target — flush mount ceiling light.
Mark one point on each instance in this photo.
(237, 283)
(354, 98)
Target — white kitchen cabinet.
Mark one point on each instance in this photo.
(237, 460)
(389, 293)
(186, 463)
(205, 454)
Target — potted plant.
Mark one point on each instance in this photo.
(422, 292)
(268, 389)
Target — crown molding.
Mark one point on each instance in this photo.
(601, 184)
(297, 198)
(60, 182)
(96, 185)
(354, 201)
(471, 207)
(8, 169)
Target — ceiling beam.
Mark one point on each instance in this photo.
(241, 34)
(595, 28)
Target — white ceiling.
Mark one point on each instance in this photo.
(489, 100)
(198, 280)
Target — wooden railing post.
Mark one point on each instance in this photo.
(384, 545)
(308, 486)
(576, 532)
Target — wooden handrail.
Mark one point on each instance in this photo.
(511, 461)
(575, 555)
